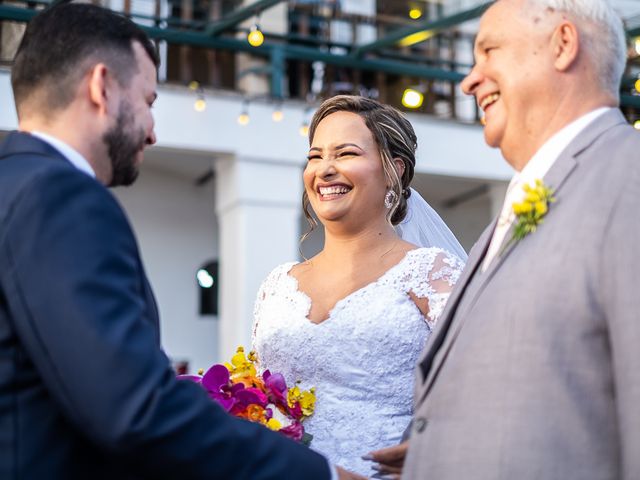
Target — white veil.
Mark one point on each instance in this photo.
(423, 227)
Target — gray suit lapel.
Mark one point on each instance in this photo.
(444, 322)
(452, 320)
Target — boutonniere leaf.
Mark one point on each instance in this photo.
(530, 212)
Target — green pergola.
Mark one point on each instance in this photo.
(371, 57)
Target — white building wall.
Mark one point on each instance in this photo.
(176, 228)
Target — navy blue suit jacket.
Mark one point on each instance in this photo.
(85, 389)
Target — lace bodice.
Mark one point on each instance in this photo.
(361, 359)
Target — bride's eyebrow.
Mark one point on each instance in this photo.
(337, 147)
(345, 145)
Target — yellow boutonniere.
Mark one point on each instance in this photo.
(531, 210)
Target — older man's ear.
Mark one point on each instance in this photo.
(566, 45)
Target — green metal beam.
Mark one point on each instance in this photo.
(294, 52)
(278, 67)
(240, 15)
(630, 101)
(411, 69)
(633, 32)
(17, 14)
(431, 25)
(278, 53)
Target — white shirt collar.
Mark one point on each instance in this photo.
(537, 168)
(76, 159)
(546, 156)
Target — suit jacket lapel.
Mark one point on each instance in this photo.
(447, 331)
(444, 322)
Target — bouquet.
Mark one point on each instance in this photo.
(263, 399)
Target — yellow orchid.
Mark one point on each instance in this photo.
(531, 210)
(241, 366)
(274, 424)
(306, 399)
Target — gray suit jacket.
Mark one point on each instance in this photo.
(533, 371)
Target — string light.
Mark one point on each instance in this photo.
(277, 115)
(636, 124)
(255, 36)
(304, 127)
(637, 85)
(200, 105)
(415, 13)
(243, 118)
(412, 98)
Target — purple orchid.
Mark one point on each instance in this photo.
(276, 387)
(216, 383)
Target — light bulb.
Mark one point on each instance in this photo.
(200, 105)
(636, 124)
(243, 118)
(412, 98)
(637, 85)
(255, 37)
(304, 130)
(415, 13)
(193, 85)
(277, 115)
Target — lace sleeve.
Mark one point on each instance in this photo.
(444, 274)
(433, 273)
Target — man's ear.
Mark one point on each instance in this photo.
(99, 88)
(566, 45)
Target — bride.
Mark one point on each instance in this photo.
(352, 320)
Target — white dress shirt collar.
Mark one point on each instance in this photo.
(546, 156)
(76, 159)
(536, 168)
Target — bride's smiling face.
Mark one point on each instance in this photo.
(344, 178)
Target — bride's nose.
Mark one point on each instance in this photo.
(327, 168)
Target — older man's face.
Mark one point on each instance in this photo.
(513, 68)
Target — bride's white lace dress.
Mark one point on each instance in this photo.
(361, 359)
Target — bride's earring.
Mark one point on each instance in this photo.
(390, 199)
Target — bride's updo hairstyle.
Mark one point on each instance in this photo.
(392, 133)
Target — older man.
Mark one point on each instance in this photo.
(534, 369)
(85, 390)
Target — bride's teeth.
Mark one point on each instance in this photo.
(333, 190)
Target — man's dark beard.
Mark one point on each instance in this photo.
(123, 145)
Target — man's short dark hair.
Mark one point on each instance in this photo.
(59, 42)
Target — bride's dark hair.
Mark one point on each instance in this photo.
(394, 137)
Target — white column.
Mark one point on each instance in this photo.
(258, 207)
